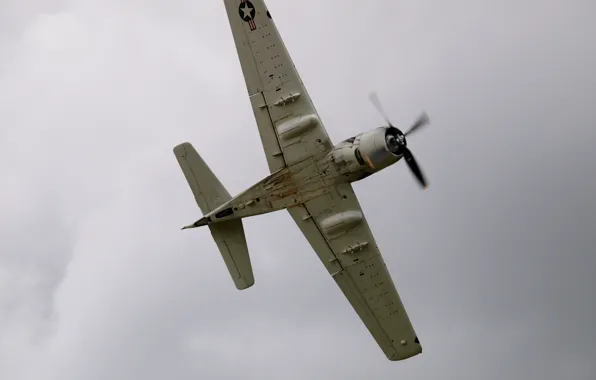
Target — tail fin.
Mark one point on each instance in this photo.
(209, 194)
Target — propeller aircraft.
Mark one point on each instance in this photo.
(310, 177)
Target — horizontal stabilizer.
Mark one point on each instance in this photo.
(207, 189)
(209, 194)
(231, 241)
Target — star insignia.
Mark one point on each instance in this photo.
(247, 11)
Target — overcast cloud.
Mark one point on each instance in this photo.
(495, 262)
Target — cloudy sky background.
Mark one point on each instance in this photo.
(495, 262)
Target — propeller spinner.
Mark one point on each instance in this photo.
(397, 140)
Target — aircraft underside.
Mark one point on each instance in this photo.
(311, 177)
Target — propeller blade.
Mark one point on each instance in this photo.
(411, 161)
(374, 98)
(422, 121)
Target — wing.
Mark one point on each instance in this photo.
(337, 230)
(288, 123)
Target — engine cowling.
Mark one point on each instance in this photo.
(376, 147)
(367, 153)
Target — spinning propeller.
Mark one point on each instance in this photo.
(397, 141)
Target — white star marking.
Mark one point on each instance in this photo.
(247, 9)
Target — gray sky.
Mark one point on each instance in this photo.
(495, 262)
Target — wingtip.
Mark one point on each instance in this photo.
(181, 148)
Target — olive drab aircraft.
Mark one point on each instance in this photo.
(310, 177)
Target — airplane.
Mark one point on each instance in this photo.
(310, 177)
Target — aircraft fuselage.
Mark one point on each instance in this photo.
(349, 161)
